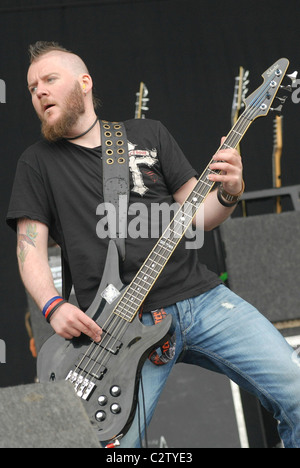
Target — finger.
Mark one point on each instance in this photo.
(67, 336)
(78, 327)
(90, 328)
(228, 153)
(221, 166)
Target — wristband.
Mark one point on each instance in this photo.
(54, 308)
(50, 304)
(227, 199)
(223, 202)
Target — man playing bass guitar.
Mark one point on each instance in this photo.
(57, 189)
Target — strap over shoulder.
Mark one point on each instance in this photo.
(116, 184)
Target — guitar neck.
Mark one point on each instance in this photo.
(257, 105)
(149, 272)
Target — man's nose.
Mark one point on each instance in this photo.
(41, 91)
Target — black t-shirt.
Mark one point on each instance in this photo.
(60, 184)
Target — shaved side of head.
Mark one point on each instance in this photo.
(70, 60)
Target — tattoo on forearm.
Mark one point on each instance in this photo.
(25, 241)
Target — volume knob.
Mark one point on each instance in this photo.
(115, 408)
(102, 400)
(115, 391)
(100, 416)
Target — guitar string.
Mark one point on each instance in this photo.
(240, 123)
(173, 221)
(113, 324)
(233, 130)
(139, 282)
(152, 264)
(155, 261)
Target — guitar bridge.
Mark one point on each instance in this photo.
(83, 386)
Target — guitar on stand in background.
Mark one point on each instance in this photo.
(276, 159)
(239, 95)
(141, 102)
(278, 140)
(240, 92)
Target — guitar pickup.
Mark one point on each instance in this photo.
(110, 343)
(90, 367)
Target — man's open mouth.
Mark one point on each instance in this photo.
(48, 106)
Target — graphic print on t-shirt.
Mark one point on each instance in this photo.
(136, 158)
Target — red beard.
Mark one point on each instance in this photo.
(73, 108)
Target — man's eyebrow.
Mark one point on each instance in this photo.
(44, 77)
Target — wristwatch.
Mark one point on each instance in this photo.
(227, 199)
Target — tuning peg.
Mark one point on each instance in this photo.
(277, 110)
(287, 88)
(281, 99)
(293, 76)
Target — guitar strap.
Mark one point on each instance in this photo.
(116, 185)
(116, 188)
(167, 351)
(116, 191)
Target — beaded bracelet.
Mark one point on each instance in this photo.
(51, 306)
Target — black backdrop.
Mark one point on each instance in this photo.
(188, 52)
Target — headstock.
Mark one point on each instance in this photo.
(259, 103)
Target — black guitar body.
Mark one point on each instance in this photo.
(105, 375)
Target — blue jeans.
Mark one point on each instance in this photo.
(220, 331)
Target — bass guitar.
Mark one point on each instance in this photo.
(106, 375)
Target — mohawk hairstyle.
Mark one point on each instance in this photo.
(41, 48)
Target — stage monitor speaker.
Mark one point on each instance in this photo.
(261, 255)
(262, 258)
(44, 416)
